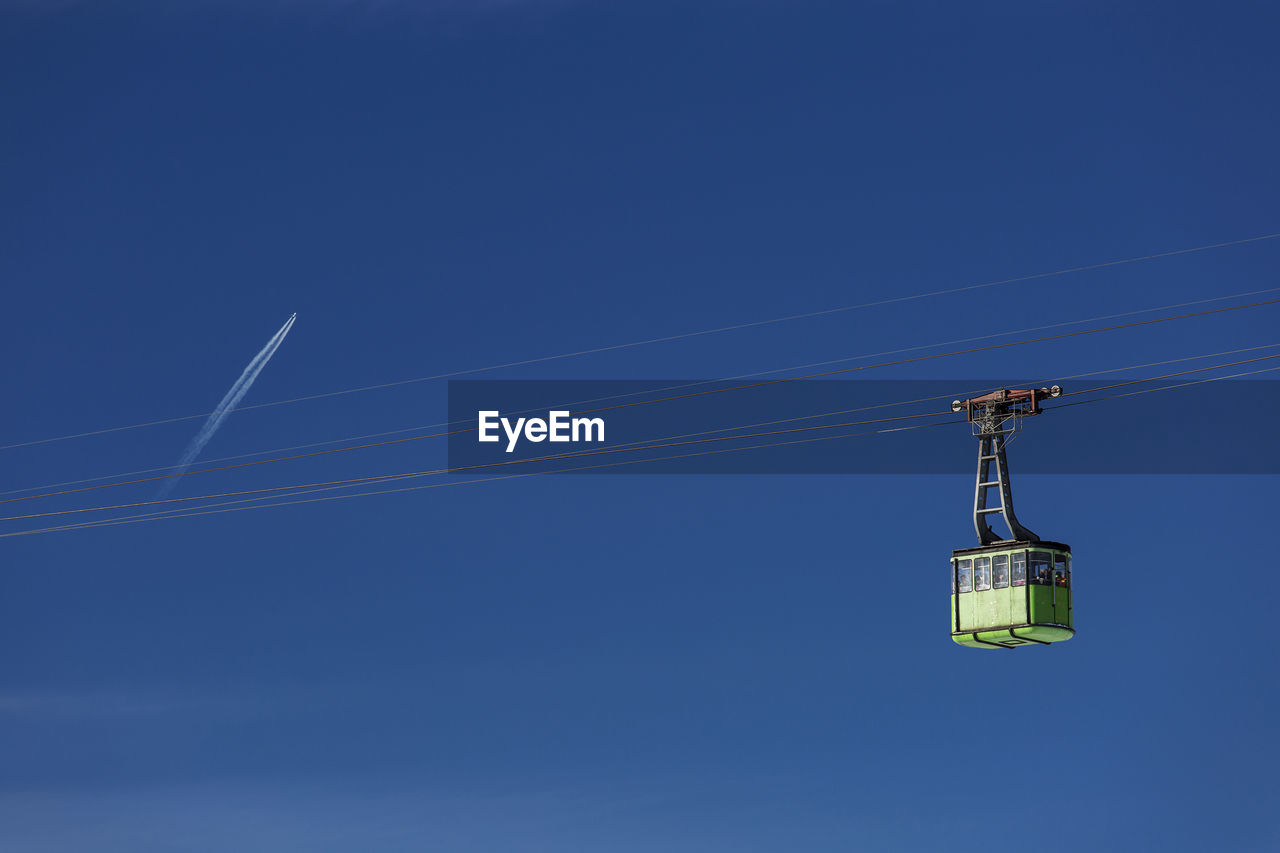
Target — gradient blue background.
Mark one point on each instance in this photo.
(616, 663)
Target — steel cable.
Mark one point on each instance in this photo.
(667, 338)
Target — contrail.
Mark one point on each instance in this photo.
(227, 406)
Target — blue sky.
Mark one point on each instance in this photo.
(616, 663)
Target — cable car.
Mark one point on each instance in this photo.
(1010, 592)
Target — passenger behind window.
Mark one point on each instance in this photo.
(982, 574)
(1000, 572)
(1040, 570)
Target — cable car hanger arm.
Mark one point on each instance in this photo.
(988, 414)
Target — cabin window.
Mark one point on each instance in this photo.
(1019, 561)
(1039, 568)
(1061, 575)
(964, 570)
(982, 573)
(1000, 571)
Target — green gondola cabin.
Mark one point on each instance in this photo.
(1011, 594)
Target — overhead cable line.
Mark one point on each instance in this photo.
(136, 519)
(670, 441)
(669, 338)
(985, 348)
(292, 502)
(728, 379)
(206, 511)
(763, 383)
(622, 448)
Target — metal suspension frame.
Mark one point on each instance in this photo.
(991, 449)
(989, 415)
